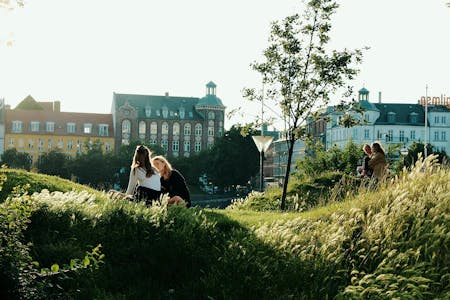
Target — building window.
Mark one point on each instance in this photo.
(211, 115)
(198, 146)
(165, 128)
(87, 128)
(70, 144)
(103, 130)
(413, 118)
(436, 119)
(436, 135)
(148, 111)
(71, 127)
(366, 134)
(210, 131)
(34, 126)
(198, 130)
(40, 145)
(50, 126)
(142, 128)
(379, 134)
(30, 143)
(165, 144)
(126, 132)
(79, 146)
(176, 129)
(182, 112)
(413, 135)
(153, 142)
(187, 146)
(366, 118)
(175, 146)
(402, 136)
(165, 112)
(443, 136)
(50, 144)
(390, 135)
(210, 144)
(17, 126)
(107, 147)
(158, 113)
(154, 128)
(391, 117)
(187, 129)
(11, 143)
(60, 143)
(444, 120)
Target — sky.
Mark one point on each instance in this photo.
(80, 52)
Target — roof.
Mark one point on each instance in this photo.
(438, 108)
(367, 105)
(174, 104)
(402, 112)
(29, 104)
(210, 100)
(60, 119)
(363, 91)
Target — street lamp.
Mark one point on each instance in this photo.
(262, 143)
(404, 151)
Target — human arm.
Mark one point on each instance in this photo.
(376, 159)
(178, 187)
(132, 181)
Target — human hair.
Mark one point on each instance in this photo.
(167, 166)
(365, 147)
(141, 159)
(378, 148)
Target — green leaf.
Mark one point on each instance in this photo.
(54, 268)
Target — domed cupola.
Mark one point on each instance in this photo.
(363, 94)
(210, 101)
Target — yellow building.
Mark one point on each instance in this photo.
(39, 127)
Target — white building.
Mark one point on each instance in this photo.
(394, 124)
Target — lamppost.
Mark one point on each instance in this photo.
(262, 143)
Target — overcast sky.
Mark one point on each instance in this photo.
(80, 52)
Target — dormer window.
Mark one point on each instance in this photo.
(148, 111)
(211, 115)
(165, 112)
(182, 112)
(413, 118)
(158, 113)
(391, 117)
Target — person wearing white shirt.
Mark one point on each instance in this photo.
(145, 181)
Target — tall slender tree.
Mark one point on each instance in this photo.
(299, 73)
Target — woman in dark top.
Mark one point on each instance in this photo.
(172, 182)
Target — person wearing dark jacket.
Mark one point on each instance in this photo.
(172, 182)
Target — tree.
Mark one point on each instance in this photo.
(93, 167)
(54, 163)
(14, 159)
(233, 159)
(418, 147)
(299, 73)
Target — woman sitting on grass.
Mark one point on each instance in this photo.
(144, 182)
(378, 161)
(172, 182)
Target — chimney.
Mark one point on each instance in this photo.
(379, 97)
(57, 106)
(167, 94)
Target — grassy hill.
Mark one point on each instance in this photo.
(388, 243)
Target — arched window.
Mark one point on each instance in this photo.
(154, 128)
(142, 129)
(210, 131)
(176, 129)
(165, 128)
(198, 129)
(126, 131)
(187, 129)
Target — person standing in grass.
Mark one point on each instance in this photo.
(172, 182)
(378, 161)
(365, 170)
(144, 182)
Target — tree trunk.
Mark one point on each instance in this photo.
(291, 142)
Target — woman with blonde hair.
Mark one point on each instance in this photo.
(172, 182)
(378, 161)
(144, 182)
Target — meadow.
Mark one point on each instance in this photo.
(66, 241)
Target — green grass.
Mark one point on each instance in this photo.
(392, 242)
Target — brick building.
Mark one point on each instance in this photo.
(38, 127)
(181, 125)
